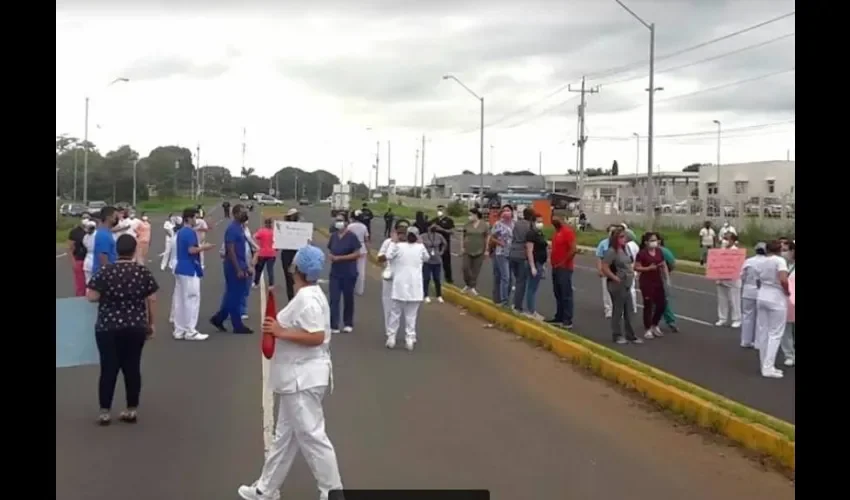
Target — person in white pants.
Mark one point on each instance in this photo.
(772, 309)
(387, 274)
(359, 229)
(406, 258)
(787, 344)
(201, 227)
(168, 226)
(88, 242)
(632, 249)
(300, 375)
(601, 249)
(187, 280)
(749, 296)
(729, 292)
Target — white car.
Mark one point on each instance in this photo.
(326, 201)
(243, 197)
(268, 200)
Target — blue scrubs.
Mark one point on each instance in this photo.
(235, 293)
(342, 278)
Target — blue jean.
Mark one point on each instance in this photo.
(520, 271)
(532, 284)
(266, 263)
(562, 286)
(430, 271)
(501, 280)
(342, 288)
(234, 299)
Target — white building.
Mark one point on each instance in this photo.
(670, 187)
(744, 181)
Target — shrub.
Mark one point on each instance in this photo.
(456, 209)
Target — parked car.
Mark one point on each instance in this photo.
(95, 207)
(243, 197)
(265, 199)
(303, 202)
(72, 210)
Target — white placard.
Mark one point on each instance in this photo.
(292, 235)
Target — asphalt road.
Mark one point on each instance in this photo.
(471, 407)
(701, 353)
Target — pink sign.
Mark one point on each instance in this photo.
(725, 264)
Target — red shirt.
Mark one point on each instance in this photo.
(650, 279)
(265, 240)
(562, 241)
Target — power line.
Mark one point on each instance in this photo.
(711, 133)
(707, 59)
(629, 67)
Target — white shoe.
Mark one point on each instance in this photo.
(656, 330)
(720, 323)
(648, 334)
(473, 292)
(608, 315)
(334, 331)
(789, 362)
(250, 492)
(253, 286)
(440, 300)
(196, 336)
(347, 329)
(178, 335)
(244, 317)
(409, 343)
(427, 300)
(736, 324)
(773, 374)
(390, 343)
(465, 289)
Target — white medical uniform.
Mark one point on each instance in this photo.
(88, 262)
(407, 289)
(122, 227)
(749, 298)
(729, 300)
(168, 226)
(359, 229)
(386, 285)
(200, 228)
(787, 344)
(299, 377)
(632, 250)
(772, 313)
(132, 225)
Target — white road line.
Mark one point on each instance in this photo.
(62, 255)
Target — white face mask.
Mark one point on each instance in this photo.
(439, 213)
(538, 225)
(724, 243)
(145, 218)
(652, 244)
(471, 218)
(339, 224)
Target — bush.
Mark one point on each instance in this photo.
(456, 209)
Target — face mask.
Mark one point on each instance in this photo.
(145, 218)
(538, 225)
(439, 213)
(786, 254)
(652, 244)
(506, 216)
(471, 218)
(339, 224)
(243, 218)
(725, 243)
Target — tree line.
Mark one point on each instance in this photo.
(170, 171)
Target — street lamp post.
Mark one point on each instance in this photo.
(717, 179)
(86, 144)
(481, 145)
(650, 134)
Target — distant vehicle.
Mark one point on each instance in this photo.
(326, 201)
(72, 210)
(303, 202)
(95, 207)
(341, 199)
(265, 199)
(243, 197)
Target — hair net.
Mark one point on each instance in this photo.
(309, 261)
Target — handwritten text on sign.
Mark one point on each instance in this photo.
(725, 263)
(292, 235)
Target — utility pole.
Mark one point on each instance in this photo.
(389, 176)
(296, 187)
(200, 172)
(86, 157)
(582, 138)
(176, 174)
(540, 163)
(75, 173)
(415, 172)
(244, 134)
(422, 170)
(377, 162)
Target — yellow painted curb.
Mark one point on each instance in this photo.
(683, 397)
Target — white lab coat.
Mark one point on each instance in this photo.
(299, 377)
(88, 262)
(632, 250)
(729, 299)
(772, 312)
(359, 229)
(407, 289)
(749, 300)
(386, 284)
(168, 226)
(200, 228)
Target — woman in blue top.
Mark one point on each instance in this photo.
(344, 249)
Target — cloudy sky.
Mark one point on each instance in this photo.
(317, 84)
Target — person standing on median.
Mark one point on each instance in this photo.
(616, 265)
(187, 279)
(437, 247)
(473, 249)
(499, 242)
(344, 250)
(518, 257)
(445, 226)
(236, 273)
(707, 241)
(563, 265)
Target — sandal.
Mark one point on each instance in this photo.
(104, 419)
(128, 416)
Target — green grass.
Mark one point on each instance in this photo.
(174, 205)
(63, 226)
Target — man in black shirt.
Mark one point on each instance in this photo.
(366, 217)
(445, 226)
(226, 206)
(77, 254)
(389, 216)
(287, 256)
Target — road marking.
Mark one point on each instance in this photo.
(62, 255)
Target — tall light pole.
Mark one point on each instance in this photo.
(491, 159)
(650, 134)
(717, 179)
(86, 144)
(637, 152)
(481, 151)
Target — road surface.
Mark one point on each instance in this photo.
(470, 408)
(701, 353)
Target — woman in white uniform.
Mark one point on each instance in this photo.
(772, 312)
(359, 229)
(387, 275)
(749, 296)
(88, 242)
(787, 344)
(300, 374)
(729, 291)
(406, 258)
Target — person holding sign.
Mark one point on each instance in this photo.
(300, 375)
(772, 306)
(345, 249)
(729, 291)
(287, 254)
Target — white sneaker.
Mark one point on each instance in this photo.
(789, 362)
(427, 300)
(648, 334)
(334, 331)
(736, 324)
(473, 292)
(608, 315)
(250, 492)
(656, 330)
(244, 317)
(440, 300)
(773, 374)
(465, 289)
(390, 343)
(409, 343)
(720, 323)
(196, 336)
(347, 329)
(254, 286)
(178, 335)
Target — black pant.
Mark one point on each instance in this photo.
(120, 351)
(447, 262)
(226, 212)
(286, 257)
(266, 263)
(388, 228)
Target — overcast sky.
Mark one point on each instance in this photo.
(307, 80)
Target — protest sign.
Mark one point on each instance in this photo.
(75, 343)
(292, 235)
(725, 263)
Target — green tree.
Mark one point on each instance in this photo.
(117, 171)
(693, 167)
(615, 169)
(169, 169)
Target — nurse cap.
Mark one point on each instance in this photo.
(310, 261)
(413, 230)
